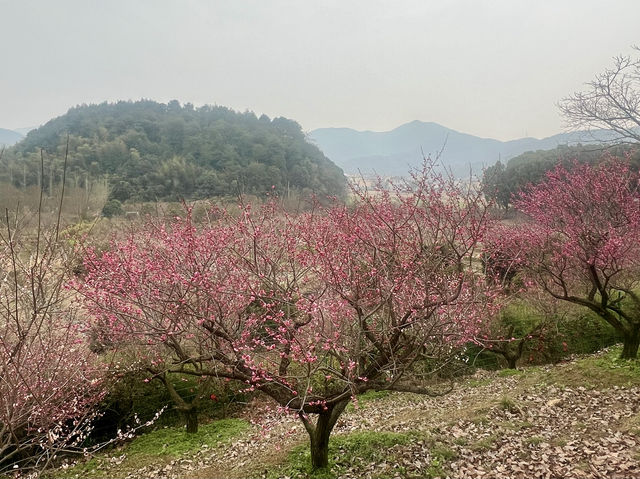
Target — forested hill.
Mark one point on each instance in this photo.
(504, 182)
(148, 151)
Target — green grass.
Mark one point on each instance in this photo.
(508, 404)
(155, 448)
(477, 383)
(559, 441)
(632, 425)
(368, 397)
(504, 373)
(479, 415)
(175, 442)
(441, 455)
(444, 452)
(534, 440)
(602, 371)
(515, 425)
(359, 450)
(485, 443)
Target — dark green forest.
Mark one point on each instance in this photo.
(149, 151)
(502, 183)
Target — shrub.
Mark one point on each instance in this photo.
(112, 208)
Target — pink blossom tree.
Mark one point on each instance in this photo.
(152, 296)
(582, 243)
(50, 381)
(311, 309)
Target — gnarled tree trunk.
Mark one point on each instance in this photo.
(188, 409)
(191, 418)
(320, 432)
(631, 342)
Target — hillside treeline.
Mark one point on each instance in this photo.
(149, 151)
(502, 183)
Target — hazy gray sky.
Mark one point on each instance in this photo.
(489, 68)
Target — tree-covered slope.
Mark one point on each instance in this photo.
(148, 151)
(502, 182)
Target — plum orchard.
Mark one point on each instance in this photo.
(311, 309)
(582, 243)
(50, 382)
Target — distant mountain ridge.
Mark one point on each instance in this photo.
(23, 131)
(393, 153)
(9, 137)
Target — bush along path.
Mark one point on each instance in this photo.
(579, 419)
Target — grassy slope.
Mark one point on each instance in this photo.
(155, 450)
(577, 419)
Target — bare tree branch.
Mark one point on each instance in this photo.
(611, 102)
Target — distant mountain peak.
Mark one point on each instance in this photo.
(9, 137)
(389, 152)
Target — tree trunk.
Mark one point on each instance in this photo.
(189, 410)
(509, 356)
(319, 434)
(191, 418)
(320, 447)
(631, 343)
